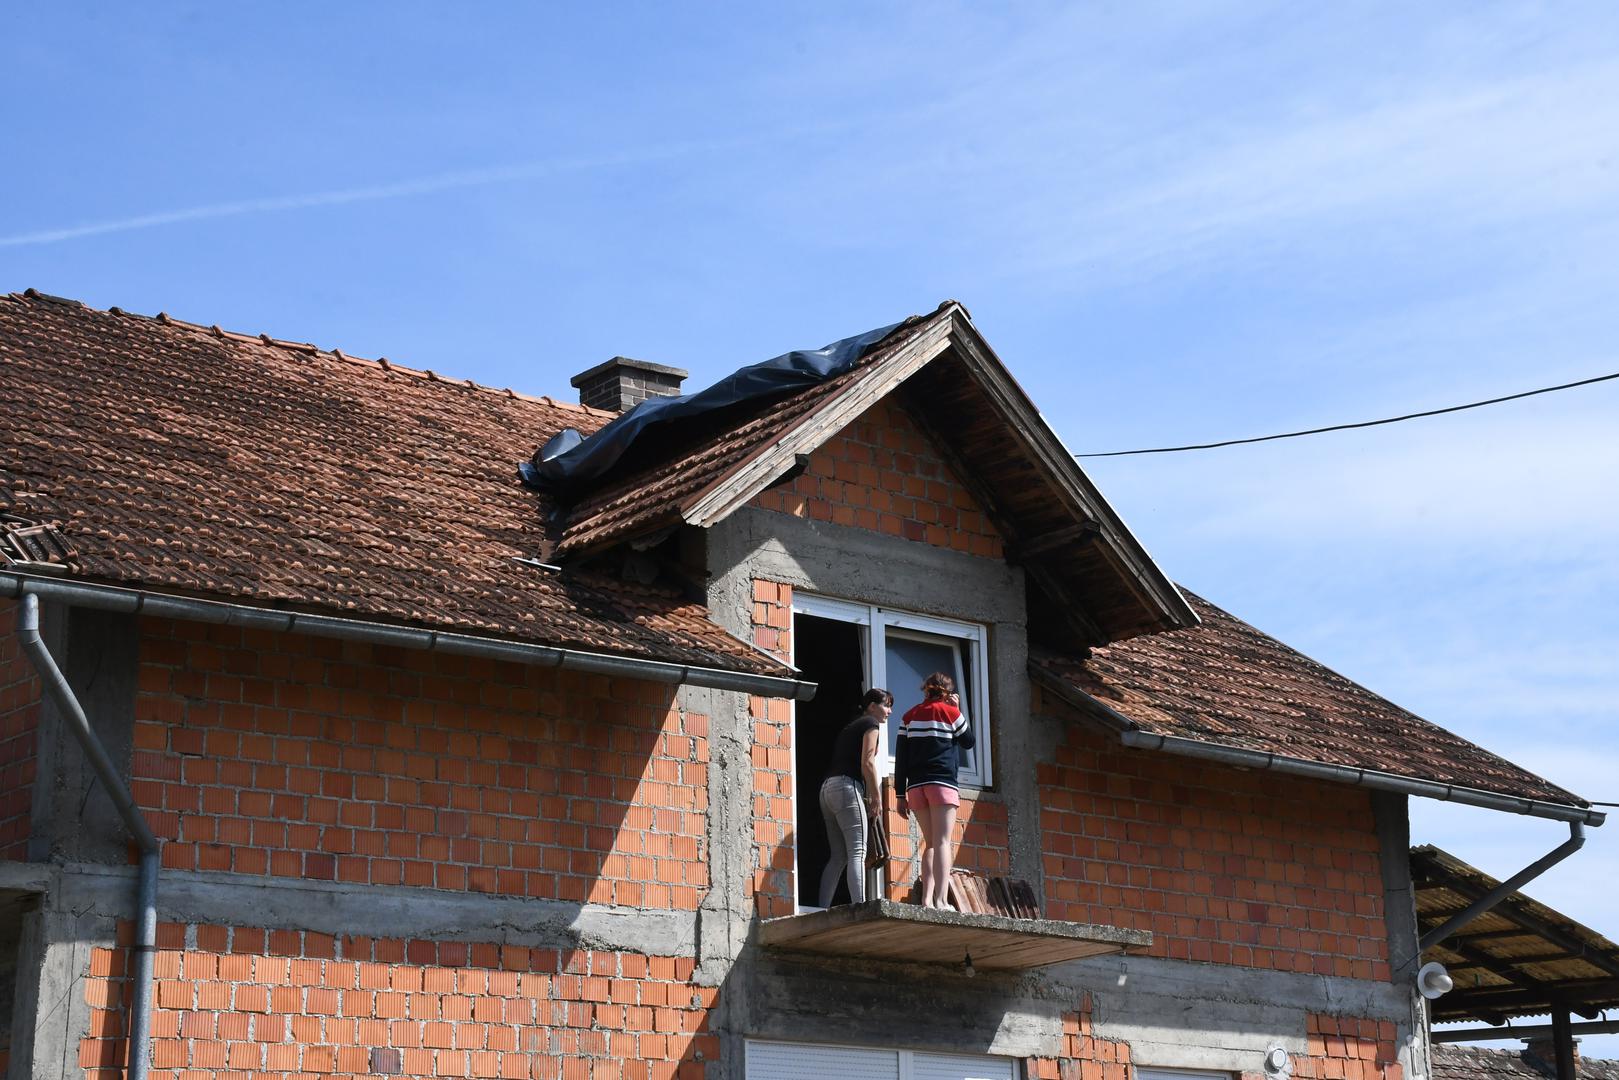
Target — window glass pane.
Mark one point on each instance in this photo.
(912, 657)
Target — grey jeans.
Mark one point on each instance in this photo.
(843, 808)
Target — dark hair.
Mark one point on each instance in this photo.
(876, 696)
(938, 685)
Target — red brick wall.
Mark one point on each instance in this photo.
(1084, 1056)
(772, 884)
(1222, 865)
(1347, 1048)
(238, 1002)
(19, 729)
(881, 474)
(302, 757)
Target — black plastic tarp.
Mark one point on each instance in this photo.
(568, 461)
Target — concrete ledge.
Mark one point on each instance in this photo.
(882, 929)
(26, 877)
(394, 911)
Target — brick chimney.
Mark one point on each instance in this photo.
(1544, 1049)
(621, 384)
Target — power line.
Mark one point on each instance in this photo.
(1347, 427)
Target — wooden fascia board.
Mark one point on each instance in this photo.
(759, 470)
(1047, 449)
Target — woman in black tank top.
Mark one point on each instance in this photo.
(850, 794)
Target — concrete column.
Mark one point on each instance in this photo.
(73, 817)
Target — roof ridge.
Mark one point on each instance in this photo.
(308, 348)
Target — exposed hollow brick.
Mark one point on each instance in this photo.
(881, 474)
(1202, 856)
(461, 1009)
(382, 766)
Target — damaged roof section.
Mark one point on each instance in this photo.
(1226, 684)
(1094, 581)
(191, 460)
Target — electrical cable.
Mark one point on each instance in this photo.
(1347, 427)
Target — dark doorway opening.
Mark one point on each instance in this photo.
(829, 654)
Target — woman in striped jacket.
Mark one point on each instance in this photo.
(925, 765)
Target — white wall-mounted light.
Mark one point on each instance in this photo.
(1278, 1064)
(1433, 980)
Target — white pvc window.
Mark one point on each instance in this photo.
(900, 649)
(801, 1061)
(1179, 1074)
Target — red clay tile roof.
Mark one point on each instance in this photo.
(651, 498)
(196, 461)
(1226, 683)
(1453, 1062)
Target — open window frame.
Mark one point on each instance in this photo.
(969, 643)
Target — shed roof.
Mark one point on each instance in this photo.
(1520, 958)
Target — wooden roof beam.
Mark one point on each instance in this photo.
(1510, 910)
(1078, 533)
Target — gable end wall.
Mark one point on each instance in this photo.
(880, 474)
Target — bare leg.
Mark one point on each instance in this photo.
(944, 851)
(924, 818)
(937, 824)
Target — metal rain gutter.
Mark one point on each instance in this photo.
(1575, 841)
(118, 598)
(1371, 778)
(61, 694)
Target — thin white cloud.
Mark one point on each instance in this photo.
(400, 189)
(1503, 152)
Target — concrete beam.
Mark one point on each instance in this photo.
(395, 911)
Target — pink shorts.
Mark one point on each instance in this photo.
(932, 795)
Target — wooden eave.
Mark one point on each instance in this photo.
(885, 930)
(1038, 484)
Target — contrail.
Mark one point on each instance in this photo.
(400, 189)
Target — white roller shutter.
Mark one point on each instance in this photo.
(807, 1061)
(812, 1061)
(960, 1067)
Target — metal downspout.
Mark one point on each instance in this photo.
(140, 1009)
(1575, 841)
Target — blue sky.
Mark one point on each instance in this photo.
(1175, 223)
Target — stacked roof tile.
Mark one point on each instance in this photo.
(188, 459)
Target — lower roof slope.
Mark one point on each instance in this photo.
(196, 461)
(1451, 1062)
(1227, 684)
